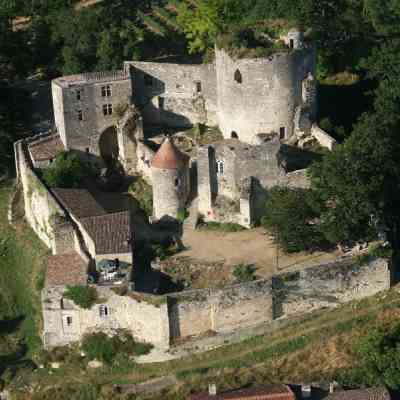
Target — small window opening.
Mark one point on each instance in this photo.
(148, 80)
(69, 321)
(161, 103)
(87, 150)
(106, 91)
(107, 109)
(282, 132)
(177, 182)
(234, 135)
(78, 94)
(50, 160)
(238, 76)
(198, 87)
(220, 167)
(103, 311)
(291, 43)
(80, 115)
(116, 263)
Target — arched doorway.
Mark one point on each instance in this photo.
(108, 145)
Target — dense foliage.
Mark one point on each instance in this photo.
(244, 272)
(66, 171)
(143, 193)
(101, 347)
(82, 296)
(290, 217)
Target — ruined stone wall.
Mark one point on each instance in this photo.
(220, 310)
(85, 134)
(323, 138)
(174, 94)
(146, 322)
(260, 95)
(41, 208)
(328, 285)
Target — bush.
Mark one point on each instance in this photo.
(289, 215)
(223, 227)
(67, 171)
(244, 273)
(143, 193)
(83, 296)
(182, 215)
(101, 347)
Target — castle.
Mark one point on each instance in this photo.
(257, 103)
(260, 105)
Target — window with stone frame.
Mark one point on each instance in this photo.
(103, 311)
(238, 76)
(198, 87)
(282, 132)
(80, 115)
(79, 94)
(106, 91)
(219, 167)
(107, 109)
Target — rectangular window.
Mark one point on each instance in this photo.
(198, 87)
(69, 321)
(106, 91)
(282, 133)
(78, 94)
(148, 80)
(80, 115)
(103, 311)
(107, 109)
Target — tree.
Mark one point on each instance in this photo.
(67, 171)
(289, 215)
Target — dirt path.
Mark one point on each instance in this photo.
(249, 247)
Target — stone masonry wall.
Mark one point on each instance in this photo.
(285, 296)
(174, 94)
(265, 98)
(146, 322)
(41, 208)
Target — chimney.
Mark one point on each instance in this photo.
(212, 389)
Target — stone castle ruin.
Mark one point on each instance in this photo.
(261, 106)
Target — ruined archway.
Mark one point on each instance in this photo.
(108, 145)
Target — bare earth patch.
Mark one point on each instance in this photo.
(252, 246)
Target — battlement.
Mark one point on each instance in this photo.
(91, 77)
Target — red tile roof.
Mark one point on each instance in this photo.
(46, 148)
(79, 202)
(66, 269)
(267, 392)
(168, 156)
(110, 232)
(377, 393)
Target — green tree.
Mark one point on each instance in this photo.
(289, 216)
(67, 171)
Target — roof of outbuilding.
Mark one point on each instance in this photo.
(46, 148)
(168, 156)
(110, 232)
(66, 269)
(79, 202)
(266, 392)
(377, 393)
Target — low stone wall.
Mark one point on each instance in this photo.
(64, 322)
(328, 285)
(41, 207)
(323, 138)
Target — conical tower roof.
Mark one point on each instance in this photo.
(168, 156)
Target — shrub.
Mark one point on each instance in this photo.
(83, 296)
(182, 215)
(101, 347)
(244, 272)
(223, 227)
(143, 193)
(67, 171)
(289, 215)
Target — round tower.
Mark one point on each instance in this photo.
(170, 178)
(260, 95)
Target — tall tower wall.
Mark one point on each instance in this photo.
(260, 95)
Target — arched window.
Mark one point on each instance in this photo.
(234, 135)
(238, 76)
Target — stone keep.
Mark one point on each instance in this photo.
(170, 178)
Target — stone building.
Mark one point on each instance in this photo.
(170, 179)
